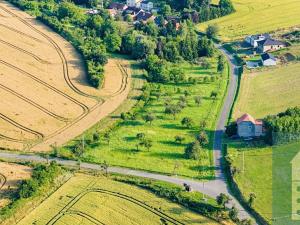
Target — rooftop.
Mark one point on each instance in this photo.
(248, 118)
(267, 56)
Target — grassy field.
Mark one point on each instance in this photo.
(257, 16)
(165, 153)
(94, 200)
(267, 173)
(269, 92)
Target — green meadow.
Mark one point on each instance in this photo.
(257, 16)
(165, 155)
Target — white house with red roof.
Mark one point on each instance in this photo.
(248, 127)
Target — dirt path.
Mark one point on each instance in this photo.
(46, 98)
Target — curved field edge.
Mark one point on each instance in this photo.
(256, 16)
(81, 182)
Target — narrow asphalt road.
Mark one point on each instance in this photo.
(210, 188)
(220, 129)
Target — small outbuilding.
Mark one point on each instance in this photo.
(248, 127)
(269, 45)
(268, 60)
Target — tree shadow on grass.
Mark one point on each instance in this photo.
(172, 143)
(168, 155)
(130, 139)
(203, 168)
(171, 126)
(132, 123)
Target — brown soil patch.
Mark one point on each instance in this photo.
(46, 99)
(10, 176)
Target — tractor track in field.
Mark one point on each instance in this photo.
(21, 33)
(21, 127)
(24, 51)
(83, 106)
(34, 104)
(67, 209)
(58, 50)
(11, 139)
(86, 110)
(2, 180)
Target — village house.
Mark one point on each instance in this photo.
(118, 6)
(254, 39)
(268, 60)
(134, 3)
(132, 11)
(146, 5)
(248, 127)
(144, 17)
(270, 45)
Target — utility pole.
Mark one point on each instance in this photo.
(82, 143)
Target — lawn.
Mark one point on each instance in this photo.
(269, 92)
(88, 200)
(257, 16)
(165, 153)
(267, 173)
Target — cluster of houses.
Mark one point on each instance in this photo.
(264, 44)
(138, 10)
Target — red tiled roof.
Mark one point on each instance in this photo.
(248, 118)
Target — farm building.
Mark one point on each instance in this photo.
(248, 127)
(270, 45)
(254, 39)
(268, 60)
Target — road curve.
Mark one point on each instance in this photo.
(220, 129)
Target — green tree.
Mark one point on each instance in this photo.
(198, 100)
(233, 214)
(193, 150)
(179, 139)
(203, 138)
(251, 200)
(173, 110)
(143, 47)
(147, 143)
(222, 200)
(149, 118)
(187, 122)
(113, 42)
(221, 64)
(212, 31)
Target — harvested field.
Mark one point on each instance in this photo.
(257, 16)
(269, 92)
(46, 99)
(10, 176)
(92, 200)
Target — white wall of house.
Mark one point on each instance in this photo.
(133, 3)
(258, 130)
(269, 62)
(271, 48)
(246, 129)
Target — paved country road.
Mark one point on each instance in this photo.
(210, 188)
